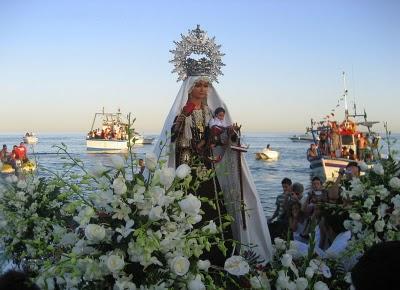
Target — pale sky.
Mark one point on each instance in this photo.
(61, 61)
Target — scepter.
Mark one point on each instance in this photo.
(239, 150)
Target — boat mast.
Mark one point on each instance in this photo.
(346, 109)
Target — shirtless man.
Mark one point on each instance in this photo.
(362, 144)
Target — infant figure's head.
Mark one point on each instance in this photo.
(219, 113)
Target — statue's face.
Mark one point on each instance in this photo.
(200, 90)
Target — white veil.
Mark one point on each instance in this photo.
(256, 234)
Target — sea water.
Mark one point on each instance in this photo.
(267, 175)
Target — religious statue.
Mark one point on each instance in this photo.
(186, 138)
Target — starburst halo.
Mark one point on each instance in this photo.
(197, 42)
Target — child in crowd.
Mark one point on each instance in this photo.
(279, 227)
(316, 196)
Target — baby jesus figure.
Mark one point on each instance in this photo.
(219, 128)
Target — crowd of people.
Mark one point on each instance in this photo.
(305, 214)
(330, 143)
(109, 133)
(19, 154)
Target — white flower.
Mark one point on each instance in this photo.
(378, 169)
(118, 162)
(167, 176)
(368, 203)
(196, 284)
(212, 227)
(309, 272)
(155, 213)
(394, 183)
(236, 265)
(119, 185)
(283, 280)
(97, 170)
(320, 286)
(22, 184)
(363, 166)
(280, 244)
(396, 201)
(203, 265)
(355, 216)
(321, 268)
(95, 232)
(379, 225)
(286, 260)
(125, 231)
(190, 205)
(115, 263)
(183, 170)
(260, 281)
(301, 283)
(180, 265)
(150, 161)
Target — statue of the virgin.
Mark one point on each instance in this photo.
(185, 138)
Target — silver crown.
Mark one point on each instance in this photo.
(197, 42)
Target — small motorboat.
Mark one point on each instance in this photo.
(30, 138)
(267, 154)
(303, 138)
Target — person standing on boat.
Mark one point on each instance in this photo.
(4, 157)
(335, 140)
(362, 144)
(323, 144)
(188, 121)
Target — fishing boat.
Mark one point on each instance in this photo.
(113, 135)
(328, 162)
(30, 138)
(303, 138)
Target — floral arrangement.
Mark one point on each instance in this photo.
(111, 228)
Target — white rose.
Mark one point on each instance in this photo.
(320, 286)
(378, 169)
(212, 227)
(286, 260)
(95, 232)
(236, 265)
(396, 201)
(309, 272)
(183, 170)
(119, 185)
(280, 244)
(363, 166)
(379, 226)
(150, 161)
(394, 183)
(196, 284)
(167, 176)
(155, 213)
(190, 205)
(203, 265)
(355, 216)
(283, 280)
(301, 283)
(115, 263)
(118, 162)
(180, 265)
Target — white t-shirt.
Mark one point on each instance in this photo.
(217, 122)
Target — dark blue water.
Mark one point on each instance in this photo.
(267, 174)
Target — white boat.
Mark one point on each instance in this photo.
(267, 154)
(113, 136)
(303, 138)
(326, 166)
(30, 138)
